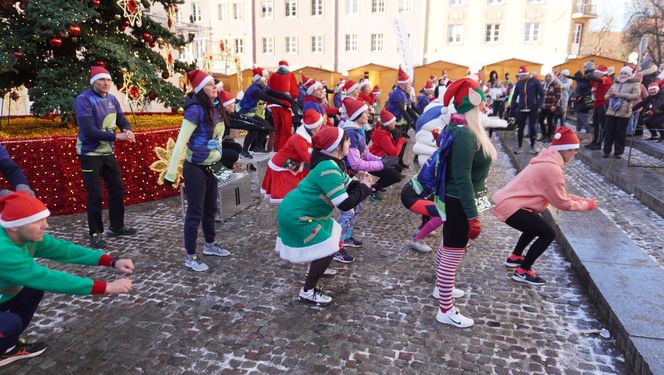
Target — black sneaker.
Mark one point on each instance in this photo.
(259, 150)
(22, 350)
(124, 231)
(97, 241)
(246, 155)
(342, 256)
(352, 242)
(528, 277)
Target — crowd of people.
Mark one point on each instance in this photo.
(327, 157)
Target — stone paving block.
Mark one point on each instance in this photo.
(654, 351)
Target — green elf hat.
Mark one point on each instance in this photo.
(467, 94)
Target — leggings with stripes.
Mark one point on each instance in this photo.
(451, 251)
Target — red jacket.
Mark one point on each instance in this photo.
(297, 149)
(600, 89)
(285, 83)
(383, 144)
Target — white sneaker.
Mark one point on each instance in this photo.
(214, 249)
(314, 296)
(419, 246)
(453, 317)
(456, 293)
(194, 263)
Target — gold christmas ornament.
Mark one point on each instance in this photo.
(132, 11)
(163, 160)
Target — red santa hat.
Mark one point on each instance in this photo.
(312, 119)
(428, 85)
(328, 138)
(283, 64)
(376, 90)
(350, 86)
(432, 77)
(443, 73)
(602, 70)
(98, 72)
(354, 108)
(226, 98)
(523, 71)
(305, 79)
(312, 85)
(259, 73)
(402, 77)
(198, 79)
(654, 87)
(467, 95)
(20, 208)
(386, 117)
(564, 139)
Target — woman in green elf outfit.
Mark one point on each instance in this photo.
(307, 232)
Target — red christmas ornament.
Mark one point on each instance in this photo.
(55, 42)
(165, 75)
(152, 44)
(147, 37)
(125, 23)
(28, 84)
(45, 26)
(74, 30)
(134, 92)
(100, 62)
(18, 54)
(94, 3)
(152, 95)
(121, 28)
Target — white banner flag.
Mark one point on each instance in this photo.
(404, 46)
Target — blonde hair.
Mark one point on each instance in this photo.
(483, 140)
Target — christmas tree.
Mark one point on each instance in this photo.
(49, 45)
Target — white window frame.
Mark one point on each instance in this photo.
(492, 33)
(237, 11)
(577, 33)
(351, 43)
(317, 44)
(222, 11)
(290, 10)
(291, 44)
(456, 2)
(377, 6)
(455, 34)
(267, 9)
(377, 42)
(317, 8)
(199, 48)
(352, 7)
(267, 45)
(239, 46)
(405, 6)
(532, 32)
(196, 12)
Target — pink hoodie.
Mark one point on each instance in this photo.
(540, 183)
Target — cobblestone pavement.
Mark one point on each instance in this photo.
(641, 224)
(242, 317)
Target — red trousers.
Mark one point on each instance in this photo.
(283, 126)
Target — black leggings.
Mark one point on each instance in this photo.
(532, 225)
(386, 177)
(316, 270)
(455, 229)
(16, 314)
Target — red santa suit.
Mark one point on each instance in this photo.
(285, 82)
(382, 142)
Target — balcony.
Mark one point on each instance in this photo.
(584, 10)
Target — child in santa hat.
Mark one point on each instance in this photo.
(289, 165)
(425, 97)
(307, 232)
(521, 201)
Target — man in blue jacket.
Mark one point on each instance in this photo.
(528, 98)
(13, 174)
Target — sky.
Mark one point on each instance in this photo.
(615, 10)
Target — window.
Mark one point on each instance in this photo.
(377, 6)
(268, 44)
(266, 9)
(578, 31)
(291, 44)
(535, 1)
(532, 31)
(291, 8)
(377, 42)
(239, 46)
(222, 12)
(405, 6)
(316, 7)
(237, 11)
(199, 51)
(195, 12)
(492, 33)
(495, 2)
(456, 2)
(317, 44)
(352, 7)
(454, 34)
(351, 42)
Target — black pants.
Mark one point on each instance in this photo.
(521, 118)
(615, 133)
(386, 177)
(201, 204)
(599, 118)
(531, 225)
(257, 130)
(230, 153)
(16, 314)
(455, 229)
(316, 270)
(96, 168)
(549, 127)
(655, 122)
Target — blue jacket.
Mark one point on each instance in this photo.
(397, 102)
(250, 99)
(422, 101)
(97, 119)
(10, 170)
(528, 94)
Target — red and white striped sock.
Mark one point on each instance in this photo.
(448, 259)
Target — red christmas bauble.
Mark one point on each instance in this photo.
(94, 3)
(165, 75)
(125, 23)
(121, 28)
(147, 37)
(152, 44)
(100, 62)
(74, 30)
(152, 95)
(45, 26)
(18, 54)
(55, 42)
(28, 84)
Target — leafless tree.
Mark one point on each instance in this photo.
(647, 20)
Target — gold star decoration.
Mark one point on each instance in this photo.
(132, 11)
(163, 160)
(134, 91)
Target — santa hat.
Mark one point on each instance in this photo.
(402, 77)
(283, 64)
(312, 119)
(443, 74)
(198, 79)
(98, 72)
(523, 71)
(564, 139)
(20, 208)
(350, 86)
(340, 85)
(429, 85)
(386, 117)
(354, 108)
(653, 87)
(432, 77)
(376, 90)
(467, 95)
(219, 85)
(364, 82)
(328, 138)
(602, 70)
(258, 74)
(312, 85)
(226, 98)
(305, 79)
(627, 69)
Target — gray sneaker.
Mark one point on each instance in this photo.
(214, 249)
(419, 246)
(194, 263)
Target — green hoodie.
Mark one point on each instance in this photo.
(18, 267)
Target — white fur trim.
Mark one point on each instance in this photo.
(313, 252)
(99, 76)
(394, 119)
(352, 88)
(302, 132)
(228, 102)
(313, 87)
(601, 72)
(572, 146)
(284, 67)
(359, 111)
(334, 145)
(315, 124)
(26, 220)
(256, 78)
(474, 97)
(364, 83)
(406, 81)
(203, 83)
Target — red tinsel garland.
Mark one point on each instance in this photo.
(52, 167)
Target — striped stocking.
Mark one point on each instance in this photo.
(447, 261)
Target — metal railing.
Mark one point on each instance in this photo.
(585, 8)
